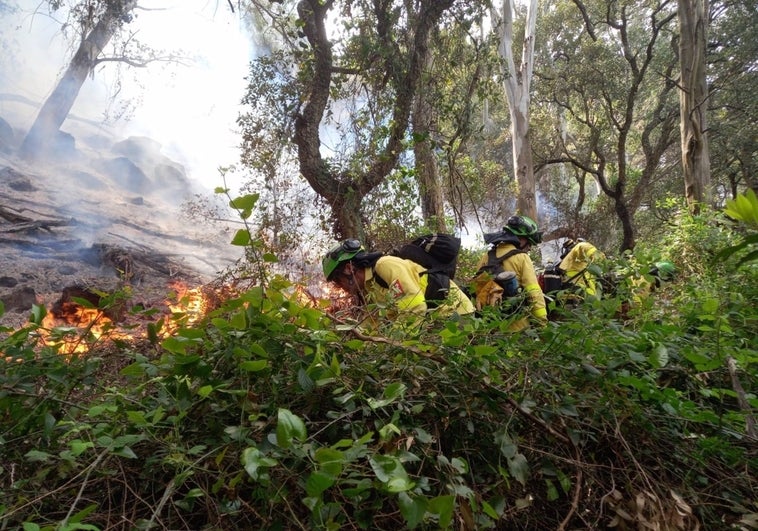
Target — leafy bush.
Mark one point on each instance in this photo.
(272, 414)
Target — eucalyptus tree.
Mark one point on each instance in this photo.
(613, 81)
(95, 23)
(693, 102)
(517, 82)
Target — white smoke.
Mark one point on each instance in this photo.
(189, 108)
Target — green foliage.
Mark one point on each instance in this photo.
(744, 208)
(271, 413)
(266, 414)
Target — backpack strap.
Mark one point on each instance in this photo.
(574, 278)
(379, 280)
(494, 264)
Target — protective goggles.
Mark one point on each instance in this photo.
(350, 246)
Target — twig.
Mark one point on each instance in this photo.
(90, 468)
(384, 340)
(166, 495)
(731, 364)
(577, 490)
(39, 224)
(536, 420)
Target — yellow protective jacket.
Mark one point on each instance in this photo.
(406, 286)
(522, 265)
(575, 264)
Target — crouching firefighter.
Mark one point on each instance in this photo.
(375, 278)
(506, 278)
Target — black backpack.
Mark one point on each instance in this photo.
(438, 253)
(552, 279)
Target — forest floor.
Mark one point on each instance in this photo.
(100, 215)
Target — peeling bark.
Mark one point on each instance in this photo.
(693, 102)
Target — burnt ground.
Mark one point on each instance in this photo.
(98, 215)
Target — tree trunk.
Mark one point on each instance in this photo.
(693, 102)
(57, 106)
(427, 170)
(345, 189)
(517, 90)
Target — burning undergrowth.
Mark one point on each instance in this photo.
(86, 318)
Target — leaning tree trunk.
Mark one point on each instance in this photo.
(517, 89)
(57, 106)
(693, 102)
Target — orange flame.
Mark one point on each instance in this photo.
(75, 329)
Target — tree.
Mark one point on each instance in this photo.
(613, 83)
(517, 84)
(400, 65)
(693, 96)
(99, 22)
(733, 100)
(427, 169)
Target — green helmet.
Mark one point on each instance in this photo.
(524, 227)
(344, 252)
(664, 270)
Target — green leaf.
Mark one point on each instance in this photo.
(241, 238)
(519, 468)
(38, 313)
(330, 460)
(412, 509)
(390, 471)
(484, 350)
(244, 203)
(391, 393)
(205, 391)
(125, 451)
(78, 446)
(254, 460)
(133, 369)
(552, 491)
(659, 358)
(34, 456)
(317, 483)
(489, 510)
(443, 506)
(254, 366)
(289, 427)
(744, 207)
(81, 515)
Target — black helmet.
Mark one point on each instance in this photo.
(524, 227)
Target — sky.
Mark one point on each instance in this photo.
(190, 109)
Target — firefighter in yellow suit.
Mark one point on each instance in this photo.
(377, 278)
(519, 233)
(576, 257)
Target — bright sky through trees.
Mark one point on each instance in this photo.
(189, 108)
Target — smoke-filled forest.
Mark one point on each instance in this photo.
(276, 353)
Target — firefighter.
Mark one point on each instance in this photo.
(576, 258)
(508, 254)
(377, 278)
